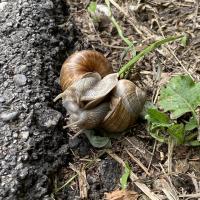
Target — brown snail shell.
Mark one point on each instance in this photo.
(127, 101)
(80, 63)
(117, 120)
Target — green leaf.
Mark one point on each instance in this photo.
(181, 95)
(92, 7)
(158, 122)
(177, 131)
(156, 134)
(192, 124)
(194, 143)
(124, 178)
(157, 118)
(96, 140)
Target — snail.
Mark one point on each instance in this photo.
(94, 96)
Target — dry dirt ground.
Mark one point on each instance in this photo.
(39, 160)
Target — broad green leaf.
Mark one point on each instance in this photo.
(177, 131)
(179, 96)
(192, 124)
(156, 117)
(97, 141)
(92, 7)
(124, 178)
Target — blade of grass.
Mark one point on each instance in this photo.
(67, 183)
(148, 49)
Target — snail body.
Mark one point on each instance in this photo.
(93, 95)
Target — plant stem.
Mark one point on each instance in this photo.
(170, 153)
(117, 26)
(127, 67)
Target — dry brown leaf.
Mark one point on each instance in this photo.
(121, 195)
(181, 166)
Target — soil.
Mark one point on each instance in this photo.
(37, 156)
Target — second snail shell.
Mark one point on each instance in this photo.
(95, 97)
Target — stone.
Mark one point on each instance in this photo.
(8, 115)
(2, 5)
(84, 148)
(25, 135)
(20, 69)
(110, 173)
(24, 173)
(48, 118)
(74, 142)
(2, 99)
(20, 79)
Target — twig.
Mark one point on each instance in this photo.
(83, 184)
(134, 177)
(184, 68)
(113, 46)
(195, 183)
(138, 162)
(169, 190)
(156, 95)
(196, 14)
(77, 134)
(173, 189)
(154, 148)
(137, 148)
(197, 195)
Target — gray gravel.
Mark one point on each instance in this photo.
(32, 143)
(8, 115)
(2, 5)
(20, 79)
